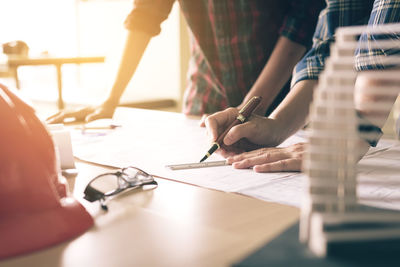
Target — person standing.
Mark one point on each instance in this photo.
(292, 113)
(240, 48)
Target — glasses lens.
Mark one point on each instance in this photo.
(135, 176)
(108, 184)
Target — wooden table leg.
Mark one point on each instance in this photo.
(15, 73)
(59, 85)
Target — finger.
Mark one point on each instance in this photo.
(211, 128)
(238, 132)
(253, 153)
(54, 115)
(100, 113)
(93, 116)
(245, 145)
(230, 151)
(217, 122)
(240, 157)
(280, 166)
(61, 116)
(81, 115)
(203, 120)
(259, 160)
(56, 118)
(226, 153)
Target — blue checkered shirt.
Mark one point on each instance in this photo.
(341, 13)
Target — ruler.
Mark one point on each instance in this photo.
(197, 165)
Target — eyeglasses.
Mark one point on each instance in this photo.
(107, 185)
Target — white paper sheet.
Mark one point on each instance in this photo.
(151, 140)
(379, 176)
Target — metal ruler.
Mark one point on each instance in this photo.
(197, 165)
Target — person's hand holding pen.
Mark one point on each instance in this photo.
(256, 131)
(251, 135)
(232, 144)
(241, 117)
(258, 111)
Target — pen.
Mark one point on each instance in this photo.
(244, 113)
(105, 127)
(111, 127)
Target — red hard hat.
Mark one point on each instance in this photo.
(35, 209)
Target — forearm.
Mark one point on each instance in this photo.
(292, 113)
(135, 45)
(276, 72)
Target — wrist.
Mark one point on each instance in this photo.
(368, 131)
(111, 102)
(279, 132)
(266, 131)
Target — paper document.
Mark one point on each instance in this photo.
(151, 140)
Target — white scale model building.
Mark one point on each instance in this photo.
(330, 213)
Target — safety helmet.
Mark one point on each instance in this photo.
(35, 208)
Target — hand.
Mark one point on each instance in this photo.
(238, 147)
(85, 114)
(217, 123)
(257, 130)
(271, 159)
(258, 111)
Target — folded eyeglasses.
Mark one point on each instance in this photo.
(107, 185)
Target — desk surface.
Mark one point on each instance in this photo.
(174, 225)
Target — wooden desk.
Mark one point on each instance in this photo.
(15, 62)
(174, 225)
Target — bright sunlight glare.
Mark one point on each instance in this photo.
(88, 28)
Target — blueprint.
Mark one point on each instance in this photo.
(151, 140)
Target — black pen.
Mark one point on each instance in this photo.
(244, 114)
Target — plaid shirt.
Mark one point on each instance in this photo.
(231, 42)
(340, 13)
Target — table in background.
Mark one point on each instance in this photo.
(15, 62)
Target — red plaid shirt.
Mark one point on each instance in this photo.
(231, 42)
